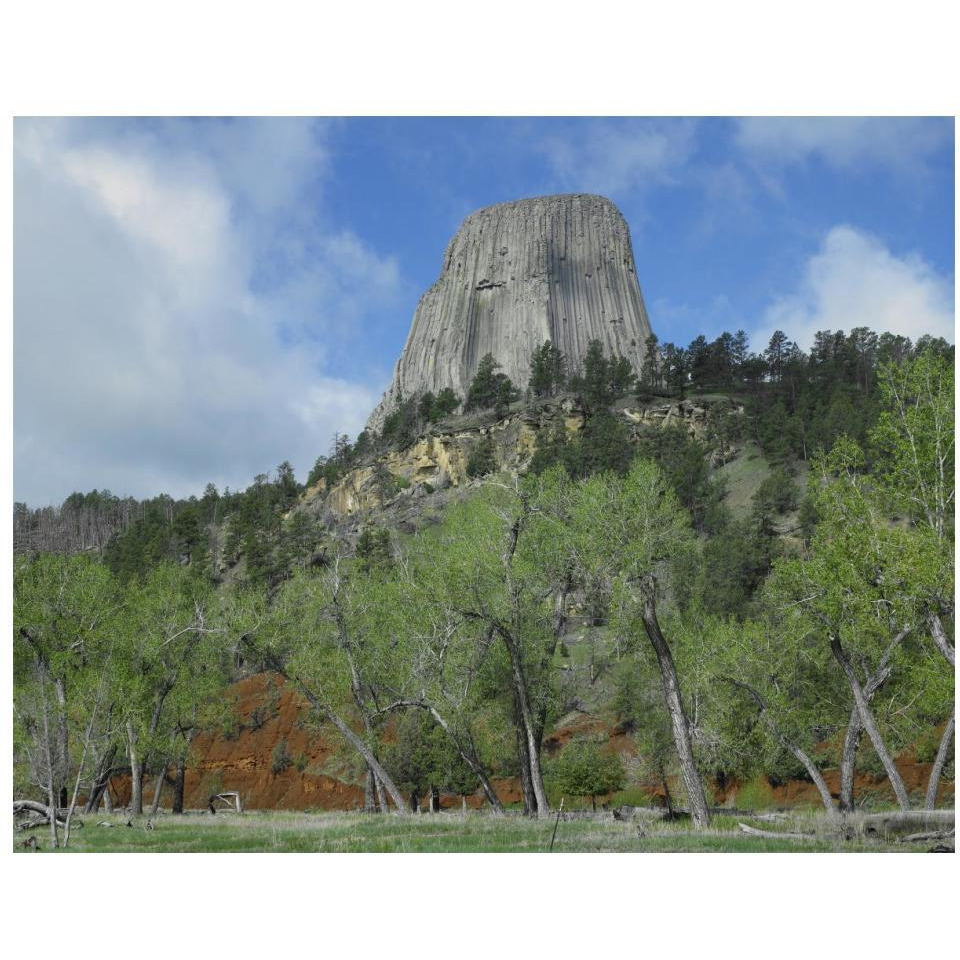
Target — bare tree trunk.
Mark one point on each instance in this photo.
(358, 744)
(526, 716)
(179, 785)
(107, 799)
(526, 784)
(851, 740)
(180, 782)
(369, 802)
(158, 789)
(699, 812)
(870, 724)
(87, 736)
(136, 773)
(813, 773)
(373, 786)
(382, 801)
(63, 742)
(940, 762)
(51, 790)
(848, 759)
(792, 748)
(152, 730)
(98, 788)
(940, 638)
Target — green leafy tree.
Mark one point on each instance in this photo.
(65, 616)
(858, 595)
(584, 769)
(633, 531)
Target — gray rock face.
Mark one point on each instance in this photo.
(516, 274)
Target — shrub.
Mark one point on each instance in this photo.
(583, 769)
(280, 759)
(259, 716)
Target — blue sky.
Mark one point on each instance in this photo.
(197, 300)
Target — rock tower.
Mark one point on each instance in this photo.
(516, 274)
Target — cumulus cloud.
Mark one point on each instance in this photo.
(854, 280)
(615, 157)
(903, 144)
(180, 308)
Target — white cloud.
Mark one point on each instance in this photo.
(615, 157)
(854, 280)
(903, 144)
(153, 350)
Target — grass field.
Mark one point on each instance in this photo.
(455, 832)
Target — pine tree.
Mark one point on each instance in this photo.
(490, 389)
(446, 402)
(547, 370)
(650, 375)
(775, 352)
(596, 376)
(425, 407)
(483, 388)
(483, 459)
(620, 376)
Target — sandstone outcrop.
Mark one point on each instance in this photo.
(514, 275)
(439, 459)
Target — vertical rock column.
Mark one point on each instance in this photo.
(514, 275)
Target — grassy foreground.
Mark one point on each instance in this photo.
(276, 832)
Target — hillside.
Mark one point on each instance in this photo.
(565, 560)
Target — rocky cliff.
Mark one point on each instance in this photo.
(438, 459)
(514, 275)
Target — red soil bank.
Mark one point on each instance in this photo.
(330, 778)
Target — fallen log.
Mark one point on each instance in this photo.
(42, 812)
(774, 835)
(895, 825)
(924, 837)
(45, 822)
(20, 805)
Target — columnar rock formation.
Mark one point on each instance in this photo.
(513, 276)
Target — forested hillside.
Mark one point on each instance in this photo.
(806, 625)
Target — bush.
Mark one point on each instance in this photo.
(583, 769)
(231, 726)
(259, 716)
(778, 493)
(280, 759)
